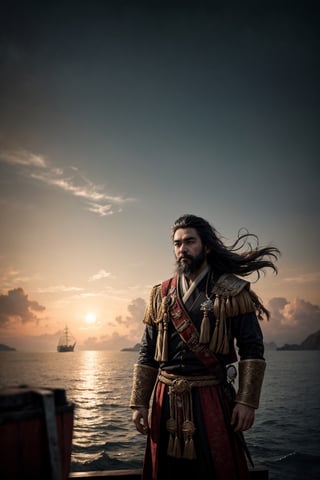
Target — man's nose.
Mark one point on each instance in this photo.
(183, 248)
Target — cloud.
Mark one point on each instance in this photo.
(101, 210)
(16, 305)
(291, 321)
(108, 292)
(68, 179)
(136, 309)
(11, 278)
(22, 157)
(115, 341)
(99, 275)
(58, 289)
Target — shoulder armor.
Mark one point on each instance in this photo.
(233, 296)
(152, 309)
(229, 285)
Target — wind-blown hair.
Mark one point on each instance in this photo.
(241, 258)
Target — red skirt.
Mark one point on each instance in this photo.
(220, 454)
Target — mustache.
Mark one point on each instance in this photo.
(185, 255)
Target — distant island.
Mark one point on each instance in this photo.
(6, 348)
(131, 349)
(270, 346)
(312, 342)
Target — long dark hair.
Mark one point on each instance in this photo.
(241, 258)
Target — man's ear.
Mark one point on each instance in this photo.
(207, 249)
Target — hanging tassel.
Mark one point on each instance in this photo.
(234, 307)
(205, 328)
(222, 308)
(172, 429)
(214, 338)
(188, 429)
(170, 446)
(245, 303)
(158, 352)
(220, 341)
(176, 448)
(222, 327)
(229, 311)
(192, 450)
(216, 310)
(161, 353)
(189, 452)
(216, 306)
(164, 356)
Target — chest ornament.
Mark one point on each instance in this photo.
(162, 321)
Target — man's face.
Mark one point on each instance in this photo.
(189, 251)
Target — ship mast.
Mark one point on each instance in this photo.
(66, 333)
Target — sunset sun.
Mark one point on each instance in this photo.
(91, 318)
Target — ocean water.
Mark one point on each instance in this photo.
(285, 436)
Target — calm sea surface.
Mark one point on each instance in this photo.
(285, 436)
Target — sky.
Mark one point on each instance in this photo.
(117, 117)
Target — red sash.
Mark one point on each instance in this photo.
(185, 327)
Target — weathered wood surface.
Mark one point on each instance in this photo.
(260, 472)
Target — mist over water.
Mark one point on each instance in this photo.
(285, 436)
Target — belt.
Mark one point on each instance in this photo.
(182, 383)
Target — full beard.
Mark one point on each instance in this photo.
(194, 264)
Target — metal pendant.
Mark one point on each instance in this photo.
(207, 306)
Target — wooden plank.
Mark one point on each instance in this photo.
(108, 475)
(259, 472)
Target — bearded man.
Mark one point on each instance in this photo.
(198, 323)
